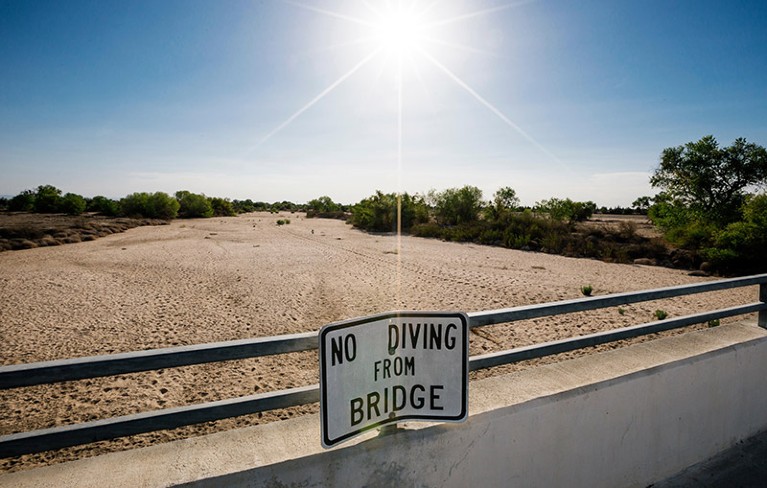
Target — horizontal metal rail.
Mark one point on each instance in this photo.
(83, 433)
(72, 435)
(169, 418)
(490, 317)
(46, 372)
(565, 345)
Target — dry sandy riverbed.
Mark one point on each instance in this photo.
(198, 281)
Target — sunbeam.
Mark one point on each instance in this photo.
(478, 13)
(317, 98)
(491, 107)
(331, 13)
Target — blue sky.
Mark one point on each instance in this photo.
(290, 100)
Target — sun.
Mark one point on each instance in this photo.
(412, 33)
(399, 30)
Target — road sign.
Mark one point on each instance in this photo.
(392, 367)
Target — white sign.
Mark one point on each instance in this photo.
(392, 367)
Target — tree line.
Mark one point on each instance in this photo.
(711, 203)
(157, 205)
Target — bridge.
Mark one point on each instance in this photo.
(621, 418)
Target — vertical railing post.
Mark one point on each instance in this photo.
(763, 298)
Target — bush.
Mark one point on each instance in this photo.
(740, 247)
(323, 205)
(23, 202)
(72, 204)
(457, 206)
(566, 210)
(222, 207)
(47, 199)
(157, 205)
(193, 205)
(378, 213)
(104, 206)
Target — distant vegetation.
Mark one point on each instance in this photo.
(461, 215)
(709, 209)
(158, 205)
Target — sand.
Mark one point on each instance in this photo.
(219, 279)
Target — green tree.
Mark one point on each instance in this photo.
(104, 206)
(23, 202)
(709, 180)
(157, 205)
(47, 199)
(222, 207)
(506, 199)
(193, 205)
(740, 246)
(456, 206)
(72, 204)
(323, 204)
(379, 212)
(566, 210)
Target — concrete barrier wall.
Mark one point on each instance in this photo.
(624, 418)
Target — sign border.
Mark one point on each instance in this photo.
(332, 327)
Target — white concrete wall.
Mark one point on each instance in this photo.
(624, 418)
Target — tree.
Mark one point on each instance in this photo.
(505, 200)
(456, 206)
(709, 180)
(47, 199)
(740, 246)
(150, 205)
(323, 204)
(23, 202)
(378, 213)
(72, 204)
(104, 206)
(566, 210)
(193, 205)
(222, 207)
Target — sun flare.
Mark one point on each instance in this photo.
(411, 33)
(399, 31)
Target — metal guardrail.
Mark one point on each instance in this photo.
(47, 372)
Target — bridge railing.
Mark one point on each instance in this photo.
(47, 372)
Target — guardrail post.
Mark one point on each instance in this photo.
(763, 298)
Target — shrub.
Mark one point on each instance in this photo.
(661, 314)
(72, 204)
(586, 290)
(378, 213)
(47, 199)
(157, 205)
(740, 246)
(222, 207)
(104, 206)
(566, 210)
(457, 205)
(322, 206)
(23, 202)
(193, 205)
